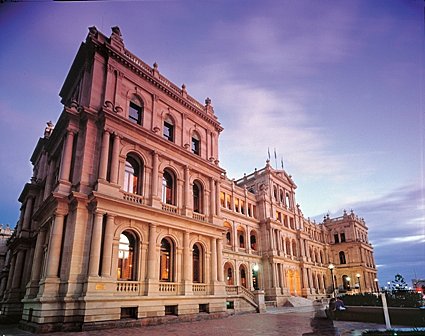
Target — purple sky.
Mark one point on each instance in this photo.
(335, 86)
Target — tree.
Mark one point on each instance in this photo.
(398, 284)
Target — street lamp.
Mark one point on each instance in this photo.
(331, 267)
(348, 279)
(358, 281)
(377, 285)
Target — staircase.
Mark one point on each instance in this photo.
(297, 301)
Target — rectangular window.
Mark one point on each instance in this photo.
(128, 312)
(254, 211)
(170, 310)
(228, 202)
(168, 131)
(236, 204)
(279, 216)
(249, 210)
(336, 237)
(195, 146)
(222, 199)
(203, 308)
(242, 207)
(135, 113)
(342, 237)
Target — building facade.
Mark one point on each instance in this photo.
(129, 215)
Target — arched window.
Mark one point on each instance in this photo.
(197, 263)
(196, 144)
(346, 282)
(288, 247)
(228, 238)
(282, 198)
(133, 176)
(242, 273)
(275, 193)
(228, 273)
(342, 259)
(241, 237)
(166, 260)
(294, 248)
(253, 240)
(127, 263)
(168, 129)
(288, 201)
(135, 111)
(168, 188)
(197, 197)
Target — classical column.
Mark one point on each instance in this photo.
(104, 155)
(214, 265)
(213, 196)
(96, 240)
(155, 168)
(49, 180)
(273, 268)
(218, 205)
(17, 272)
(107, 246)
(272, 240)
(305, 278)
(186, 197)
(186, 257)
(55, 247)
(27, 213)
(115, 159)
(11, 270)
(67, 157)
(38, 256)
(152, 260)
(220, 260)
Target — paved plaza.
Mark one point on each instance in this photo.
(302, 321)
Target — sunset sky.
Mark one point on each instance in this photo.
(336, 87)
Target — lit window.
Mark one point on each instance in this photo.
(197, 263)
(197, 197)
(342, 259)
(132, 176)
(166, 261)
(126, 257)
(222, 199)
(168, 188)
(253, 241)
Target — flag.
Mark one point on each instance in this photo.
(281, 161)
(268, 150)
(275, 153)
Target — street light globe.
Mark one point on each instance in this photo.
(331, 266)
(255, 267)
(358, 275)
(348, 279)
(376, 280)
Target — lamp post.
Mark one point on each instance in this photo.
(331, 267)
(376, 285)
(348, 279)
(358, 281)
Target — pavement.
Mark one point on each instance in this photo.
(282, 321)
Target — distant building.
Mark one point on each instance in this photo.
(5, 233)
(419, 285)
(128, 214)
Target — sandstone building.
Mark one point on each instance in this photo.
(128, 214)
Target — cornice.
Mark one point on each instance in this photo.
(147, 73)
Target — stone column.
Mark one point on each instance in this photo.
(17, 271)
(115, 159)
(218, 205)
(152, 260)
(67, 157)
(27, 213)
(11, 270)
(107, 246)
(187, 202)
(155, 167)
(104, 155)
(214, 265)
(96, 240)
(55, 247)
(38, 256)
(220, 260)
(213, 198)
(186, 257)
(49, 180)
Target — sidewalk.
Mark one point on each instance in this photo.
(301, 321)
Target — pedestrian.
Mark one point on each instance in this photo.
(339, 304)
